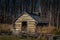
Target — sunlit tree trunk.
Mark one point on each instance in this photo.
(40, 8)
(50, 18)
(50, 13)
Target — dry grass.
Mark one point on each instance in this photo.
(45, 29)
(5, 26)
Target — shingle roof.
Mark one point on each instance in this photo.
(38, 18)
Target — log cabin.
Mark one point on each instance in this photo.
(30, 23)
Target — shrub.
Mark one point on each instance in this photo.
(5, 32)
(56, 32)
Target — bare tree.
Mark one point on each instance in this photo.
(13, 13)
(58, 19)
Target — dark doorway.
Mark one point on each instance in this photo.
(24, 25)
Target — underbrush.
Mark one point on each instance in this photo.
(14, 37)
